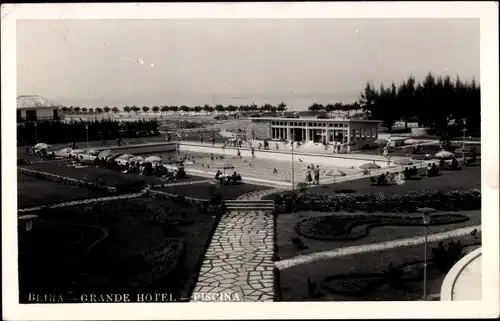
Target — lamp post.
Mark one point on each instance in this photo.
(36, 134)
(293, 168)
(87, 132)
(464, 120)
(426, 218)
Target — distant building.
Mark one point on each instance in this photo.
(355, 133)
(36, 108)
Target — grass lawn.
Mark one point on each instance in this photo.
(294, 286)
(34, 192)
(203, 190)
(131, 246)
(111, 177)
(285, 230)
(467, 178)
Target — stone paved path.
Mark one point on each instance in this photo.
(239, 258)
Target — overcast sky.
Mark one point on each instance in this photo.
(148, 62)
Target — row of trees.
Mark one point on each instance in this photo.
(206, 108)
(432, 102)
(337, 107)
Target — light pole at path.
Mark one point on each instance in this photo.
(36, 134)
(426, 220)
(87, 132)
(293, 167)
(464, 120)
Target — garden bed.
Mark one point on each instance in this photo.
(93, 173)
(352, 227)
(133, 246)
(35, 192)
(286, 231)
(364, 277)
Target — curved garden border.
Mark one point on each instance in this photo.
(366, 227)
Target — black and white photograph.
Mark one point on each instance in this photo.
(175, 154)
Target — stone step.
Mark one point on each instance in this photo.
(249, 205)
(249, 201)
(250, 208)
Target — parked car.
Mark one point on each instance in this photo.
(255, 116)
(221, 117)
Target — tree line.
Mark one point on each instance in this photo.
(185, 109)
(432, 102)
(54, 132)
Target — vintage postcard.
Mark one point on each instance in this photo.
(250, 160)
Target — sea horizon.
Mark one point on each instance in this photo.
(294, 102)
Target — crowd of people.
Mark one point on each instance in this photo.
(312, 175)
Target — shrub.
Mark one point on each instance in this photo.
(445, 256)
(313, 288)
(21, 161)
(299, 244)
(394, 276)
(278, 199)
(302, 187)
(181, 173)
(215, 199)
(64, 132)
(130, 187)
(438, 199)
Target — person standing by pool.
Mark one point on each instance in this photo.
(308, 176)
(253, 152)
(201, 139)
(316, 175)
(239, 153)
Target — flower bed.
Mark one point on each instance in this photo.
(351, 227)
(203, 206)
(120, 246)
(409, 202)
(97, 185)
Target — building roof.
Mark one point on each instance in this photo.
(34, 101)
(322, 120)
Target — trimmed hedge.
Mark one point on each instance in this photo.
(53, 132)
(440, 200)
(203, 205)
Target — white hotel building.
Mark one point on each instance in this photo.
(354, 133)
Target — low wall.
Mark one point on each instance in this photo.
(340, 160)
(150, 148)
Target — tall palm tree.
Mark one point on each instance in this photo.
(163, 109)
(330, 108)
